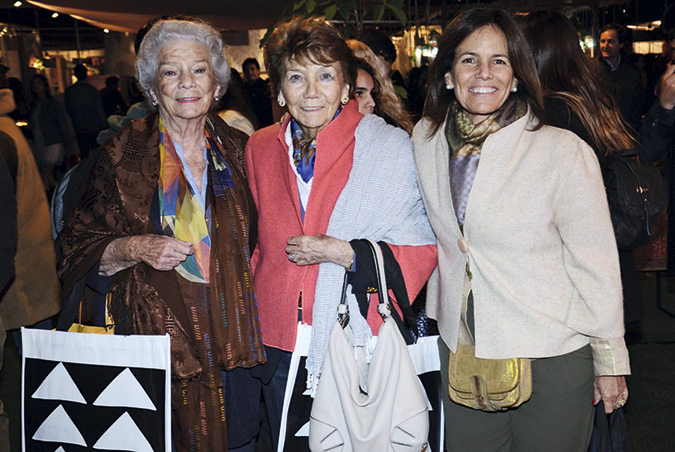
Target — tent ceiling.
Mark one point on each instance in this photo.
(130, 15)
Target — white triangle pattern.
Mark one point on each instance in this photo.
(59, 385)
(125, 435)
(59, 428)
(125, 391)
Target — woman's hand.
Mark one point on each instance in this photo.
(316, 249)
(612, 390)
(158, 251)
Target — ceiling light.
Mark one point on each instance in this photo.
(105, 30)
(55, 15)
(17, 3)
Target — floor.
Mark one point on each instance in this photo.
(650, 411)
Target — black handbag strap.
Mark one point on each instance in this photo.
(384, 307)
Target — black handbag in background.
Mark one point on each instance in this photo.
(635, 193)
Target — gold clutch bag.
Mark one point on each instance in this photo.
(488, 384)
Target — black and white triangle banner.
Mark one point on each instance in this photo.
(93, 392)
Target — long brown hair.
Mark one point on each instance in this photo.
(388, 104)
(565, 74)
(471, 19)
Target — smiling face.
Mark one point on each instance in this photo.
(364, 92)
(185, 85)
(610, 47)
(312, 93)
(481, 74)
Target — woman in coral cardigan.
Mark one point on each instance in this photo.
(323, 179)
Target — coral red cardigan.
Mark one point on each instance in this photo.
(279, 282)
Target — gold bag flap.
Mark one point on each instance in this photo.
(505, 382)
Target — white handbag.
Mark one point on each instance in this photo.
(369, 407)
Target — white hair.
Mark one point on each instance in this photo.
(166, 31)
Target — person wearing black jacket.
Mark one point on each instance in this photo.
(7, 250)
(658, 133)
(576, 101)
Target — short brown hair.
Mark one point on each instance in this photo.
(471, 19)
(308, 40)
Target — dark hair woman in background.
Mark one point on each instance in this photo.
(574, 100)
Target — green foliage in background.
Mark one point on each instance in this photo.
(350, 14)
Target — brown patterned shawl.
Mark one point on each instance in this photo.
(211, 327)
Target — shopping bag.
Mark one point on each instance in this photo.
(92, 392)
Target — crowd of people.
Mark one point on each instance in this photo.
(232, 208)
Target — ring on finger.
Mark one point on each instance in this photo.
(292, 257)
(620, 403)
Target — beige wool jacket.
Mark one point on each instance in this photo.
(538, 241)
(35, 293)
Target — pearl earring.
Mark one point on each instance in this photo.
(154, 103)
(216, 98)
(448, 87)
(282, 102)
(514, 89)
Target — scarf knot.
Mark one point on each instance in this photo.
(466, 141)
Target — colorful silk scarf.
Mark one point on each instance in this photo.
(181, 213)
(304, 151)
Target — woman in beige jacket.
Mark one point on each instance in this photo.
(528, 266)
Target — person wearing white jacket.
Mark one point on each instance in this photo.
(528, 265)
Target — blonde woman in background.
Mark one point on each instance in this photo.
(388, 104)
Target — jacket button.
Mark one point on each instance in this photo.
(463, 247)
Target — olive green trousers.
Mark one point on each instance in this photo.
(558, 417)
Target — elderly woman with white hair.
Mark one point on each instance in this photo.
(165, 224)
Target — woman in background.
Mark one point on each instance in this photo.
(371, 72)
(574, 100)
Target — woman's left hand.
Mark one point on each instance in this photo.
(612, 390)
(316, 249)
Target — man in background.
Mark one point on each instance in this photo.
(113, 102)
(618, 76)
(385, 50)
(85, 108)
(257, 92)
